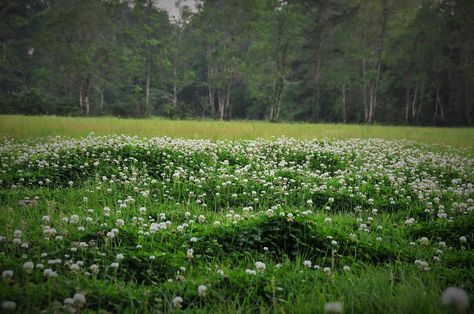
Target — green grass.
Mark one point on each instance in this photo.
(281, 202)
(41, 126)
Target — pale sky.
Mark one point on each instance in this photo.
(171, 6)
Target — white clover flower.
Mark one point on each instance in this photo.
(74, 267)
(114, 265)
(457, 297)
(69, 301)
(177, 302)
(463, 239)
(201, 218)
(327, 270)
(328, 220)
(307, 264)
(346, 268)
(190, 253)
(79, 298)
(260, 266)
(333, 307)
(202, 290)
(120, 223)
(119, 257)
(424, 241)
(409, 221)
(28, 266)
(250, 272)
(6, 274)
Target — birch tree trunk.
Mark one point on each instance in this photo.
(378, 61)
(209, 79)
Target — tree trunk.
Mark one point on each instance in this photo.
(227, 101)
(344, 118)
(209, 80)
(413, 103)
(101, 99)
(317, 70)
(84, 97)
(467, 103)
(438, 106)
(175, 78)
(175, 57)
(407, 100)
(221, 104)
(146, 110)
(378, 60)
(364, 78)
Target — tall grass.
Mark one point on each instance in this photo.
(41, 126)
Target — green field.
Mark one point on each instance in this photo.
(364, 222)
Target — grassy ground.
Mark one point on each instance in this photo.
(119, 224)
(41, 126)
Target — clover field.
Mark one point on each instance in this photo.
(120, 224)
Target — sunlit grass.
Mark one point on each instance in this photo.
(41, 126)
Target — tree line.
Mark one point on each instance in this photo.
(350, 61)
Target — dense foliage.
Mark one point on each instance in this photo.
(385, 61)
(120, 224)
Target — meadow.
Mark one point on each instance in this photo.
(147, 216)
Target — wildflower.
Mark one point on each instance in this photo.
(307, 264)
(28, 266)
(424, 241)
(327, 270)
(409, 221)
(463, 239)
(6, 274)
(94, 268)
(74, 267)
(190, 254)
(119, 257)
(346, 268)
(457, 297)
(79, 298)
(250, 272)
(327, 220)
(177, 302)
(260, 266)
(422, 265)
(202, 290)
(69, 301)
(114, 265)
